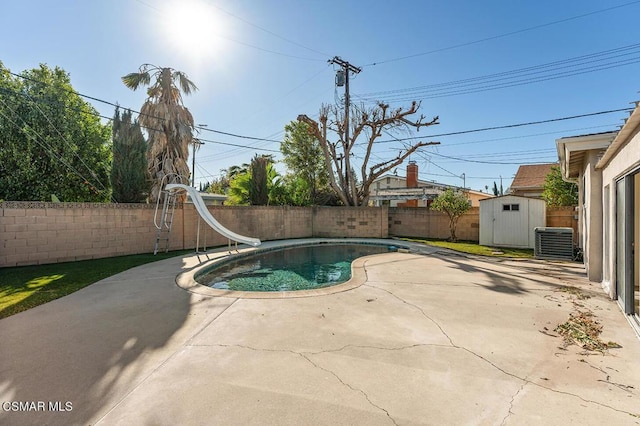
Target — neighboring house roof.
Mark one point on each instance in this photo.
(403, 178)
(426, 190)
(531, 176)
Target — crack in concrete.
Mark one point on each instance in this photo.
(415, 307)
(351, 387)
(513, 398)
(305, 357)
(523, 379)
(157, 368)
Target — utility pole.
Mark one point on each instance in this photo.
(347, 68)
(193, 167)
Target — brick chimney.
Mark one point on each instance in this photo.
(412, 175)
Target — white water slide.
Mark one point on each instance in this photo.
(209, 219)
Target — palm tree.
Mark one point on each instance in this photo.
(169, 123)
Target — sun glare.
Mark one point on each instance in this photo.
(191, 27)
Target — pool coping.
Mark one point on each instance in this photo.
(186, 280)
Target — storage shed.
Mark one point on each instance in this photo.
(509, 221)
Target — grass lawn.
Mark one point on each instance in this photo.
(25, 287)
(475, 248)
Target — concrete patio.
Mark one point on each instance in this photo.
(428, 338)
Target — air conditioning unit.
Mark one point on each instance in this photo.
(554, 243)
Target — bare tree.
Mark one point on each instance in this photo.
(369, 123)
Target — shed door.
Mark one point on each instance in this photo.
(511, 227)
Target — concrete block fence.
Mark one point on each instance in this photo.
(34, 233)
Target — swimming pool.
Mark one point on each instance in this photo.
(301, 267)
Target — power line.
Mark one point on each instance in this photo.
(268, 31)
(68, 144)
(428, 160)
(206, 129)
(480, 161)
(535, 27)
(508, 126)
(505, 75)
(448, 145)
(377, 142)
(519, 77)
(239, 146)
(515, 83)
(47, 148)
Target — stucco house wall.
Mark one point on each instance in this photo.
(578, 158)
(622, 159)
(607, 170)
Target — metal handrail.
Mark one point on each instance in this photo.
(176, 179)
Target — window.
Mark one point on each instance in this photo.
(510, 207)
(388, 180)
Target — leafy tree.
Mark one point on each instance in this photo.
(557, 192)
(304, 158)
(497, 191)
(354, 190)
(129, 169)
(168, 121)
(218, 185)
(258, 191)
(240, 188)
(52, 141)
(454, 204)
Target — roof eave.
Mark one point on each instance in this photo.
(571, 147)
(627, 130)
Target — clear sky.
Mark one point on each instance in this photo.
(258, 64)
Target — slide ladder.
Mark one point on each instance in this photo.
(164, 220)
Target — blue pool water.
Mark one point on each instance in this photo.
(290, 268)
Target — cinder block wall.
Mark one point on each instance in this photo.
(36, 233)
(364, 222)
(265, 223)
(425, 223)
(33, 233)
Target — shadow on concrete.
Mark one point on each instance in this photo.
(514, 280)
(72, 358)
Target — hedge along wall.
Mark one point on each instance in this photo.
(36, 233)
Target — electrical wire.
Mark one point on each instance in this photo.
(47, 148)
(486, 88)
(471, 85)
(535, 27)
(508, 126)
(267, 31)
(69, 145)
(206, 129)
